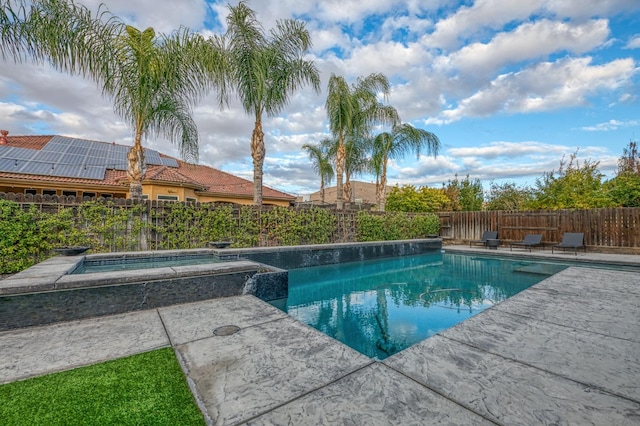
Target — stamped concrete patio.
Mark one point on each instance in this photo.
(565, 351)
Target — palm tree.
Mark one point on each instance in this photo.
(154, 85)
(355, 162)
(265, 69)
(60, 33)
(153, 81)
(403, 139)
(319, 156)
(355, 159)
(352, 112)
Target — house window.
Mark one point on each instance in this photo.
(49, 192)
(105, 195)
(89, 194)
(145, 196)
(191, 200)
(69, 193)
(168, 197)
(31, 191)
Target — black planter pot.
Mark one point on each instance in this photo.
(71, 251)
(220, 244)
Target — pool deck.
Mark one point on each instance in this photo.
(565, 351)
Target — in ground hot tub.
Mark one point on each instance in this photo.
(51, 292)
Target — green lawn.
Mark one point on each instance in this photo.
(144, 389)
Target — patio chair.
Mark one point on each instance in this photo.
(571, 240)
(530, 240)
(486, 235)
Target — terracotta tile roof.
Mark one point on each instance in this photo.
(219, 182)
(169, 174)
(29, 142)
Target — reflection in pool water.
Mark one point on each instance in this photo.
(381, 307)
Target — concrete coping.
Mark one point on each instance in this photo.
(312, 247)
(58, 278)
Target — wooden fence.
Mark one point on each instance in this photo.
(604, 228)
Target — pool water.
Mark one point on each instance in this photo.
(129, 264)
(381, 307)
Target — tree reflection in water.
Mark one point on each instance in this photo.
(383, 306)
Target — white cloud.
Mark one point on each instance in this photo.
(507, 150)
(610, 125)
(530, 40)
(466, 21)
(634, 43)
(389, 58)
(544, 86)
(163, 15)
(585, 9)
(350, 10)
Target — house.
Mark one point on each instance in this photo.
(64, 166)
(364, 193)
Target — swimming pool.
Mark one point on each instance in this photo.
(380, 307)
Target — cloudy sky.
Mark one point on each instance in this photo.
(509, 87)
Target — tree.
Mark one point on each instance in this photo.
(624, 189)
(352, 112)
(265, 69)
(403, 139)
(319, 156)
(153, 81)
(507, 197)
(573, 186)
(630, 160)
(60, 33)
(355, 162)
(408, 198)
(465, 195)
(154, 84)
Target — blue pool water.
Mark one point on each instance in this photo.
(134, 263)
(381, 307)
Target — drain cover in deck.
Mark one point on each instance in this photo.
(226, 330)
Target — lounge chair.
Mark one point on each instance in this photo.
(486, 235)
(571, 240)
(530, 240)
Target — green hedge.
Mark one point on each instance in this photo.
(29, 234)
(396, 226)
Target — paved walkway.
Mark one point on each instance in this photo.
(566, 351)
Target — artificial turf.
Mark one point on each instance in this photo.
(144, 389)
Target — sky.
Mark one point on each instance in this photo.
(509, 87)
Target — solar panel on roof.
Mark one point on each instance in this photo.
(78, 149)
(171, 162)
(94, 173)
(100, 157)
(9, 165)
(94, 160)
(73, 159)
(49, 157)
(69, 157)
(37, 168)
(65, 170)
(19, 153)
(55, 146)
(152, 157)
